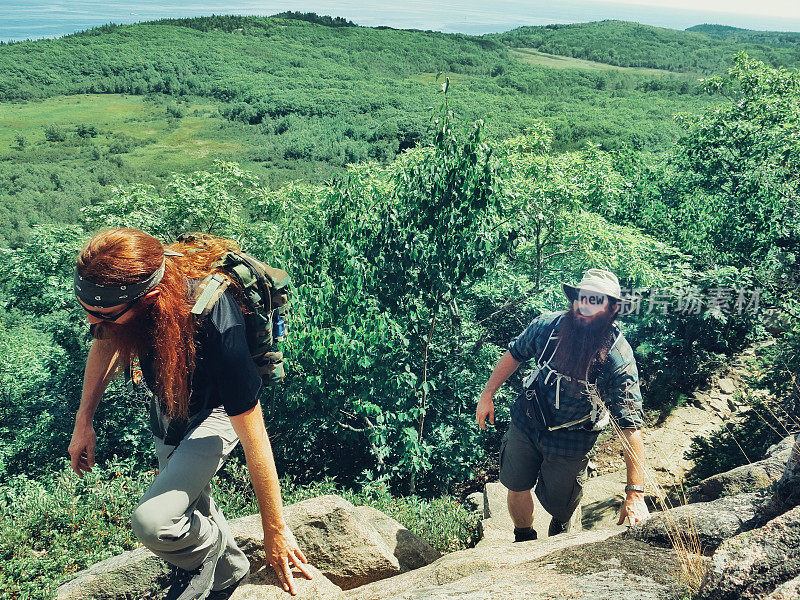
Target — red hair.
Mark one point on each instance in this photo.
(167, 327)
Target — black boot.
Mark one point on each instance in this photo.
(557, 527)
(225, 593)
(524, 534)
(196, 584)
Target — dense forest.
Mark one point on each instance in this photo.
(409, 232)
(288, 99)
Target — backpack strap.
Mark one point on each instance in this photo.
(208, 292)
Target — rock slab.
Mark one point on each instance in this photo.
(704, 526)
(134, 574)
(756, 563)
(334, 537)
(410, 550)
(747, 478)
(464, 563)
(612, 569)
(264, 585)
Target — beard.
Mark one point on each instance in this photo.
(582, 346)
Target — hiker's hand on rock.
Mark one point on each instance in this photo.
(485, 408)
(283, 553)
(81, 449)
(634, 508)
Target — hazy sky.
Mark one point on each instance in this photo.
(772, 8)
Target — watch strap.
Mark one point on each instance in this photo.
(634, 488)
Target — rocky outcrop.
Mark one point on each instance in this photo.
(600, 568)
(411, 551)
(788, 591)
(264, 585)
(350, 546)
(702, 526)
(135, 574)
(756, 563)
(747, 478)
(334, 537)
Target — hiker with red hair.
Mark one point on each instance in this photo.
(138, 296)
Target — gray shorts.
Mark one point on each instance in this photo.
(558, 480)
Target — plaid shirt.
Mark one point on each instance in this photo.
(617, 382)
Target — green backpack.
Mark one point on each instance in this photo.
(266, 292)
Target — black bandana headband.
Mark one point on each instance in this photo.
(105, 296)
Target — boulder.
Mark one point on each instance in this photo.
(474, 503)
(747, 478)
(703, 526)
(135, 574)
(332, 533)
(613, 569)
(788, 591)
(754, 564)
(483, 558)
(339, 541)
(726, 385)
(411, 551)
(264, 585)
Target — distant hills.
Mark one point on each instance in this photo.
(700, 49)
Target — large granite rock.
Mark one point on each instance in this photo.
(333, 534)
(264, 585)
(136, 574)
(753, 564)
(747, 478)
(483, 558)
(788, 591)
(334, 537)
(613, 569)
(411, 551)
(702, 527)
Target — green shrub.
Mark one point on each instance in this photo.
(54, 133)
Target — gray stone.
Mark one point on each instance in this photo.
(474, 503)
(332, 534)
(136, 574)
(753, 564)
(726, 385)
(703, 526)
(334, 537)
(464, 563)
(786, 443)
(747, 478)
(788, 591)
(605, 570)
(264, 585)
(411, 551)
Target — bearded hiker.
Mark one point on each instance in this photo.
(139, 298)
(584, 369)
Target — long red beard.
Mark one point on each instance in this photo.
(583, 346)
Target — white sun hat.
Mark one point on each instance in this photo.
(596, 280)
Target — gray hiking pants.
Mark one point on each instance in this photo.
(176, 518)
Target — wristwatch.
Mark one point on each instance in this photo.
(634, 488)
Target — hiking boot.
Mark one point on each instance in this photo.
(226, 593)
(524, 534)
(557, 527)
(196, 584)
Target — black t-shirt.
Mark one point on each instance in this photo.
(224, 371)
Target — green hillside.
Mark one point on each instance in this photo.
(705, 49)
(288, 99)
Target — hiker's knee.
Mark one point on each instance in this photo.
(153, 528)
